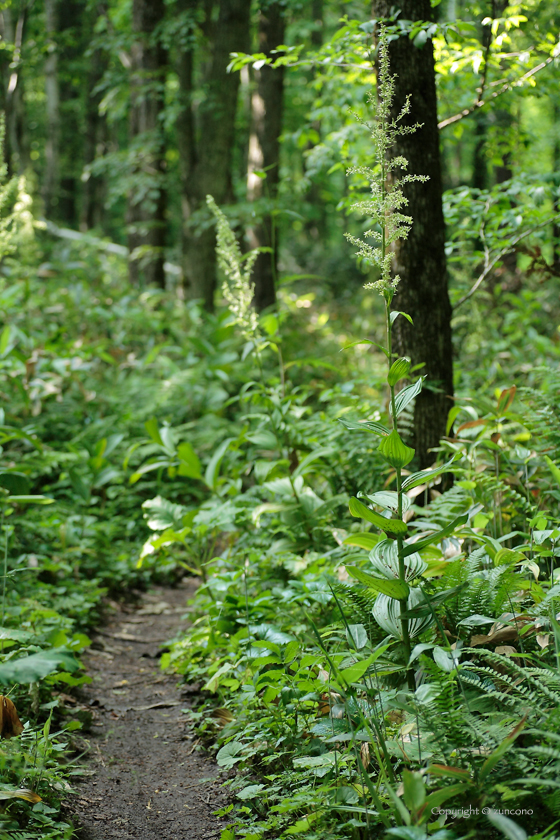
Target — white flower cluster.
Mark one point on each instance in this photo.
(387, 198)
(237, 289)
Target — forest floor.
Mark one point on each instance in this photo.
(145, 775)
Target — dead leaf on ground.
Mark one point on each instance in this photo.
(501, 632)
(163, 705)
(222, 716)
(506, 650)
(10, 723)
(155, 609)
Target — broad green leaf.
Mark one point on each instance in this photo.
(264, 439)
(230, 754)
(414, 790)
(355, 672)
(15, 635)
(214, 681)
(436, 537)
(213, 469)
(387, 499)
(15, 482)
(357, 635)
(189, 465)
(445, 659)
(452, 416)
(29, 669)
(250, 792)
(362, 540)
(424, 476)
(390, 526)
(395, 314)
(397, 589)
(407, 395)
(395, 451)
(398, 370)
(385, 560)
(168, 439)
(367, 426)
(5, 339)
(553, 469)
(161, 514)
(152, 428)
(387, 613)
(146, 468)
(419, 649)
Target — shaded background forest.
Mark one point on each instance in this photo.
(124, 116)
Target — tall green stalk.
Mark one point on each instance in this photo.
(390, 224)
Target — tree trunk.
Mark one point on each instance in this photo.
(147, 198)
(52, 96)
(420, 259)
(12, 31)
(94, 146)
(207, 161)
(556, 171)
(264, 154)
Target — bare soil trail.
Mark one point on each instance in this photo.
(146, 779)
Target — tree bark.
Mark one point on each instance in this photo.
(147, 198)
(94, 146)
(420, 260)
(12, 31)
(207, 158)
(52, 96)
(264, 154)
(556, 171)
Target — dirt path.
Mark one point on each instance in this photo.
(147, 779)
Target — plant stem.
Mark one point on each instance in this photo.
(402, 568)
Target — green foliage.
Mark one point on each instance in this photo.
(368, 647)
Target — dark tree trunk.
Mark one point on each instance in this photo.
(318, 24)
(206, 163)
(480, 166)
(146, 213)
(51, 182)
(264, 153)
(94, 146)
(556, 170)
(12, 30)
(185, 124)
(75, 27)
(420, 260)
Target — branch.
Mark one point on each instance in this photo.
(479, 103)
(490, 264)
